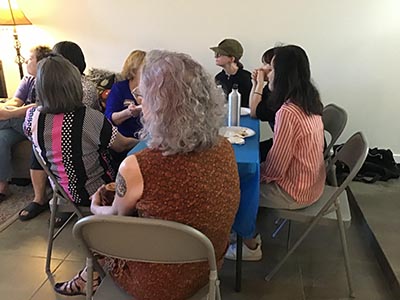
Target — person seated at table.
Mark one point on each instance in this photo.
(260, 107)
(227, 55)
(74, 54)
(12, 114)
(188, 174)
(122, 107)
(293, 175)
(123, 103)
(71, 138)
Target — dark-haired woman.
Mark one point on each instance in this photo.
(260, 107)
(74, 54)
(293, 175)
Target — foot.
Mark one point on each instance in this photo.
(77, 285)
(32, 210)
(4, 192)
(247, 253)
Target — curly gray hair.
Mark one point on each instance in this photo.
(182, 108)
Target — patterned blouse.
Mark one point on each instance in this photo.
(75, 147)
(200, 189)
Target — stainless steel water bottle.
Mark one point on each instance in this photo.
(234, 107)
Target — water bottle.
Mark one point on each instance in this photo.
(234, 107)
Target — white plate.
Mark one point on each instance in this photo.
(236, 131)
(244, 111)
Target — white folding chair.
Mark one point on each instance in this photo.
(332, 205)
(59, 195)
(150, 240)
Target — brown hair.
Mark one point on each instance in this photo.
(58, 85)
(41, 52)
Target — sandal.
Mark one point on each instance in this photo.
(33, 209)
(76, 286)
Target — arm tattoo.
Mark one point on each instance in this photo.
(120, 185)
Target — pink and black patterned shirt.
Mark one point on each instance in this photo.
(75, 147)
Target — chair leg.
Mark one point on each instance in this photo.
(279, 228)
(89, 280)
(54, 207)
(298, 242)
(288, 235)
(239, 248)
(345, 249)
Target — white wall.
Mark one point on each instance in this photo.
(354, 46)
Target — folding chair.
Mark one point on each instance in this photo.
(59, 195)
(334, 119)
(150, 240)
(333, 198)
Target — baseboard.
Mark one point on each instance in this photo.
(397, 158)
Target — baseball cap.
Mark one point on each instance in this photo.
(229, 47)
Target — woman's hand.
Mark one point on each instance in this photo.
(134, 110)
(95, 206)
(254, 77)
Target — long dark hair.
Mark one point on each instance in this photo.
(267, 56)
(72, 52)
(292, 80)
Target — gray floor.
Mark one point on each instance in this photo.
(315, 272)
(379, 204)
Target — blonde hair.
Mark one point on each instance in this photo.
(132, 64)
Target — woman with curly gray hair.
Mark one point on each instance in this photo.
(188, 174)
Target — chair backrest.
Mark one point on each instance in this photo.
(352, 154)
(147, 240)
(144, 240)
(334, 119)
(57, 188)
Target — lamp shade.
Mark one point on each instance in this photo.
(11, 14)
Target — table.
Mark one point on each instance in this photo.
(248, 160)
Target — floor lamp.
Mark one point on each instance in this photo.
(12, 15)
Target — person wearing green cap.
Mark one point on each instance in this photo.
(227, 55)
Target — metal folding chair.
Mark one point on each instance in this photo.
(334, 119)
(59, 195)
(332, 205)
(150, 240)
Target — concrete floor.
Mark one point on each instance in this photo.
(315, 271)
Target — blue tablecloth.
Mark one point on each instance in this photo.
(247, 158)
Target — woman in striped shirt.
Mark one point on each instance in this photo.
(293, 175)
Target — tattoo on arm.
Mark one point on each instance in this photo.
(120, 185)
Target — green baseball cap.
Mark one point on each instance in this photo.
(229, 47)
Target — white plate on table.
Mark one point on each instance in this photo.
(244, 111)
(236, 131)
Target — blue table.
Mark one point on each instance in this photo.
(248, 160)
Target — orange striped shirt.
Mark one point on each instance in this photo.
(295, 161)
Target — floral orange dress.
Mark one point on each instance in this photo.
(200, 189)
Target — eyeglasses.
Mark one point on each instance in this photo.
(136, 92)
(218, 55)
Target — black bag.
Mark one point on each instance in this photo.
(379, 165)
